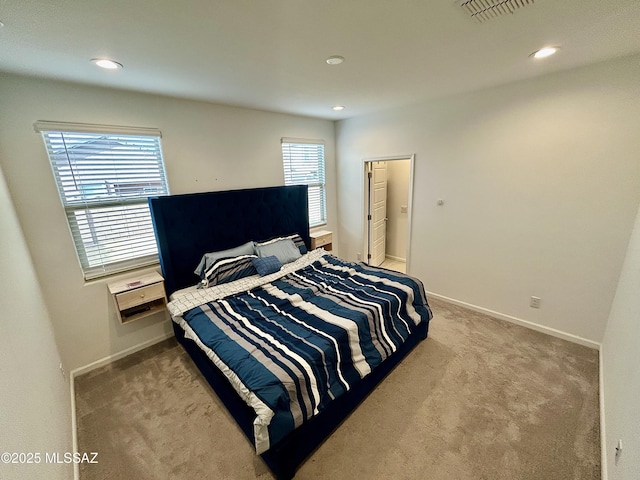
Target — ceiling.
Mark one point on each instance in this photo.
(270, 54)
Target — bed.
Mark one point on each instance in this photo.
(292, 352)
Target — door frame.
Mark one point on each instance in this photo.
(365, 197)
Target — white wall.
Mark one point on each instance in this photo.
(35, 413)
(621, 359)
(398, 176)
(541, 182)
(206, 147)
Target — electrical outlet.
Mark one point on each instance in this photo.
(358, 256)
(535, 302)
(62, 371)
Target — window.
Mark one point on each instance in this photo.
(304, 165)
(104, 176)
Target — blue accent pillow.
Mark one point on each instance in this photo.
(208, 259)
(266, 265)
(284, 249)
(227, 270)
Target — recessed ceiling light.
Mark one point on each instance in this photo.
(1, 24)
(544, 52)
(338, 108)
(106, 63)
(335, 60)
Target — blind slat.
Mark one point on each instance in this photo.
(104, 179)
(304, 164)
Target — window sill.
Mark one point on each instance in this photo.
(110, 277)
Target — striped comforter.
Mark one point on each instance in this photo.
(292, 345)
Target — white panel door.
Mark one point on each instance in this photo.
(378, 193)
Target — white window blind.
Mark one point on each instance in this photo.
(104, 179)
(304, 165)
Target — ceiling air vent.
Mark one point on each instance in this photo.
(483, 10)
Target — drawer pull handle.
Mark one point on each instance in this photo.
(142, 295)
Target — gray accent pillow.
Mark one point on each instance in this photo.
(208, 259)
(285, 250)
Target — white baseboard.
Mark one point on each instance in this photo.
(519, 321)
(92, 366)
(74, 430)
(397, 259)
(117, 356)
(603, 437)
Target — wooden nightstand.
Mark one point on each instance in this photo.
(138, 297)
(321, 238)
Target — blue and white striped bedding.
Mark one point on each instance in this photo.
(293, 344)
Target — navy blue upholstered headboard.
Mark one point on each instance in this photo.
(188, 226)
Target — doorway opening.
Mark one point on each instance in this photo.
(388, 192)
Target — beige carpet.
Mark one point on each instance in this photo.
(480, 399)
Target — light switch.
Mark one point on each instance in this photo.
(403, 209)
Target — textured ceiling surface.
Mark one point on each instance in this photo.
(270, 54)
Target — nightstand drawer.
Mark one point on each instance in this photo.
(139, 296)
(322, 240)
